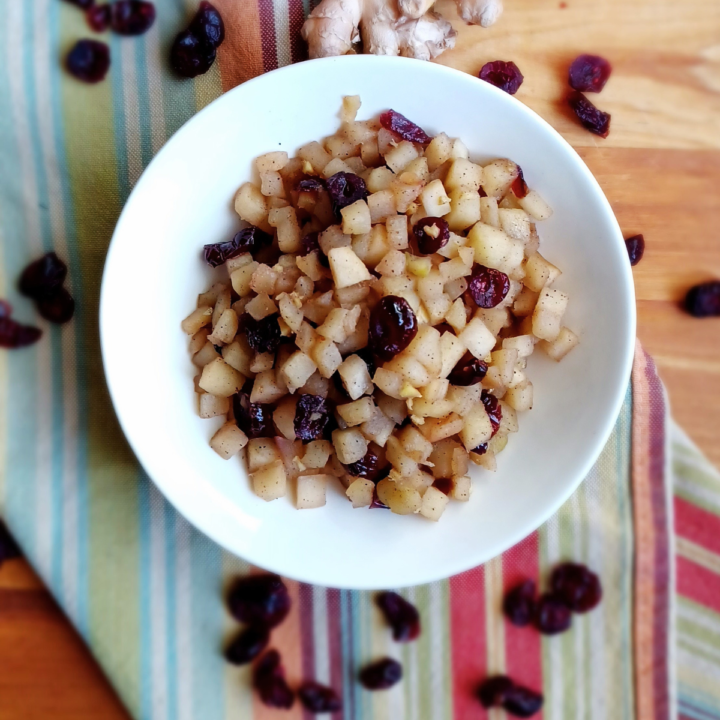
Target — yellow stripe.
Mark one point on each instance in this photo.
(699, 555)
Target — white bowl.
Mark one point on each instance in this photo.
(154, 272)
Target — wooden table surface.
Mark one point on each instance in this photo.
(660, 168)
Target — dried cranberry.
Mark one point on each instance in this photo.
(481, 449)
(519, 186)
(577, 585)
(5, 309)
(503, 75)
(345, 189)
(248, 645)
(368, 467)
(367, 355)
(309, 243)
(704, 300)
(131, 17)
(189, 56)
(468, 371)
(519, 604)
(43, 277)
(254, 419)
(84, 4)
(269, 681)
(493, 691)
(207, 25)
(248, 240)
(636, 248)
(393, 326)
(522, 702)
(407, 130)
(98, 17)
(488, 287)
(311, 416)
(589, 73)
(494, 409)
(444, 485)
(88, 60)
(57, 308)
(552, 615)
(13, 335)
(8, 547)
(381, 675)
(592, 119)
(431, 234)
(311, 184)
(262, 335)
(401, 615)
(260, 600)
(317, 698)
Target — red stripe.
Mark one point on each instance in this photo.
(662, 542)
(307, 637)
(296, 14)
(267, 32)
(334, 600)
(523, 646)
(697, 525)
(698, 584)
(469, 645)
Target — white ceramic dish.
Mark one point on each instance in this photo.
(154, 271)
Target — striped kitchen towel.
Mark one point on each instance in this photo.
(145, 589)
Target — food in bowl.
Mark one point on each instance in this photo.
(375, 316)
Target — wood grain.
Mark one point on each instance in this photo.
(660, 168)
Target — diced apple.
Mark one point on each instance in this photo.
(326, 356)
(317, 453)
(218, 378)
(464, 174)
(477, 338)
(361, 492)
(464, 399)
(197, 319)
(229, 440)
(271, 162)
(477, 428)
(438, 151)
(515, 223)
(489, 211)
(267, 388)
(494, 248)
(433, 504)
(350, 445)
(392, 264)
(205, 355)
(562, 345)
(548, 314)
(539, 273)
(378, 428)
(311, 491)
(347, 268)
(270, 482)
(435, 200)
(252, 206)
(400, 156)
(462, 488)
(436, 429)
(356, 218)
(357, 412)
(451, 350)
(297, 370)
(524, 344)
(212, 406)
(241, 278)
(520, 398)
(391, 383)
(380, 179)
(498, 176)
(401, 499)
(261, 452)
(534, 205)
(397, 232)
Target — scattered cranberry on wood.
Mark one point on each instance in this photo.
(589, 73)
(503, 75)
(590, 117)
(636, 248)
(703, 300)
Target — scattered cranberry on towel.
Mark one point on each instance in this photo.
(260, 600)
(501, 691)
(317, 698)
(194, 50)
(401, 615)
(88, 60)
(381, 675)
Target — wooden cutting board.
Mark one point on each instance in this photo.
(660, 168)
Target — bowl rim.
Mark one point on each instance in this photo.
(463, 561)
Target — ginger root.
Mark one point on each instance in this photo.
(389, 27)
